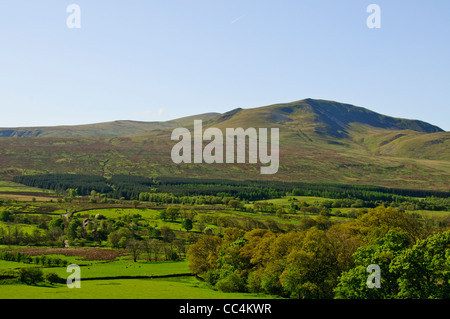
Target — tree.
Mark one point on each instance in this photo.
(72, 192)
(146, 248)
(231, 283)
(352, 283)
(151, 246)
(119, 238)
(378, 221)
(163, 215)
(167, 234)
(235, 204)
(311, 270)
(156, 246)
(74, 229)
(134, 247)
(202, 256)
(52, 278)
(423, 271)
(31, 275)
(279, 212)
(6, 215)
(56, 223)
(187, 224)
(172, 213)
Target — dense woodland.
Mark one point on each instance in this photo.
(330, 261)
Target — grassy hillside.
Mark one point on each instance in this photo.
(320, 141)
(116, 128)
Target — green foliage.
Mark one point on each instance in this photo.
(419, 271)
(53, 278)
(231, 283)
(187, 224)
(424, 269)
(6, 215)
(31, 275)
(352, 284)
(38, 260)
(180, 190)
(330, 261)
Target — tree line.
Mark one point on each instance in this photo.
(171, 189)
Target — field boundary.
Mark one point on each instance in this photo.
(140, 277)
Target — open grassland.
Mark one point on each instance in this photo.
(22, 193)
(126, 268)
(8, 186)
(158, 288)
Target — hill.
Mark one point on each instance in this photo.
(115, 128)
(320, 141)
(327, 118)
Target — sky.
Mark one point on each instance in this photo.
(156, 60)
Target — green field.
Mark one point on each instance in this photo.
(127, 268)
(185, 287)
(8, 186)
(179, 288)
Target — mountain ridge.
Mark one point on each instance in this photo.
(105, 129)
(320, 141)
(326, 112)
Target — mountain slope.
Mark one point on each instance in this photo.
(116, 128)
(328, 118)
(320, 141)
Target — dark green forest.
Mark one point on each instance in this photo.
(175, 190)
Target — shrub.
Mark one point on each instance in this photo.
(231, 283)
(31, 275)
(172, 255)
(212, 277)
(53, 278)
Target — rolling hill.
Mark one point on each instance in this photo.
(116, 128)
(320, 141)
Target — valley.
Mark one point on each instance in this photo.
(353, 188)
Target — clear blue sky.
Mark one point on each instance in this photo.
(158, 60)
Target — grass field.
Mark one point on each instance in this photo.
(22, 193)
(179, 288)
(8, 186)
(184, 287)
(126, 268)
(117, 212)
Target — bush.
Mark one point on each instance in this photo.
(212, 277)
(53, 278)
(231, 283)
(6, 216)
(172, 255)
(31, 275)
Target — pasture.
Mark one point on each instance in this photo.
(158, 288)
